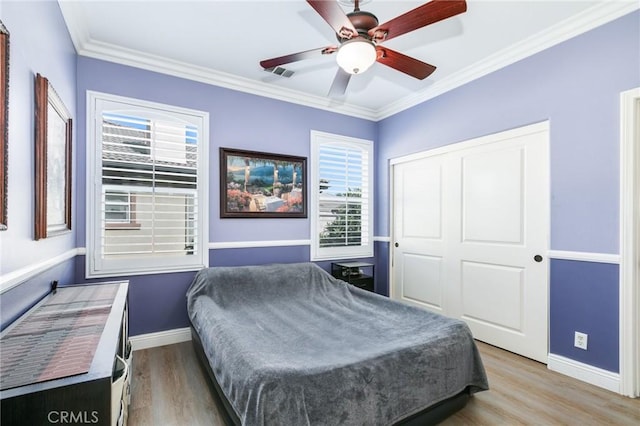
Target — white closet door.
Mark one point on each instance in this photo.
(470, 230)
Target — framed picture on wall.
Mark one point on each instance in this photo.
(52, 162)
(4, 123)
(262, 185)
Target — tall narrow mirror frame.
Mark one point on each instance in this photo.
(52, 162)
(4, 123)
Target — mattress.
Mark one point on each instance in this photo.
(290, 344)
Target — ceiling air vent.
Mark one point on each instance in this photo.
(283, 72)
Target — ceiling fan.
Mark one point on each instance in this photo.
(360, 35)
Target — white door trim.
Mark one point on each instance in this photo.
(629, 245)
(471, 143)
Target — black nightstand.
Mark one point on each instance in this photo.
(359, 274)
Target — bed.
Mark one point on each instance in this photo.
(288, 344)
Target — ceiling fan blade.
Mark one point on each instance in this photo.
(295, 57)
(404, 63)
(428, 13)
(340, 82)
(335, 16)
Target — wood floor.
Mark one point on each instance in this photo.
(169, 388)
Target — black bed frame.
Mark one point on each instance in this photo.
(429, 416)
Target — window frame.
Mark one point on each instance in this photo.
(96, 266)
(318, 253)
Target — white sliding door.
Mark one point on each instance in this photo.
(470, 231)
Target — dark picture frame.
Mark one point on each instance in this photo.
(53, 166)
(262, 185)
(4, 124)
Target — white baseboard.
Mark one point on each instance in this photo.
(585, 372)
(161, 338)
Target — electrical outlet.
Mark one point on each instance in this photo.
(580, 340)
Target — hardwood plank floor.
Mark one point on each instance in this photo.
(169, 388)
(525, 392)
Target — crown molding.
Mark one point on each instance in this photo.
(86, 46)
(134, 58)
(591, 18)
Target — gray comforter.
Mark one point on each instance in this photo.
(291, 345)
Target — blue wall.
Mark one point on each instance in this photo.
(17, 300)
(576, 85)
(584, 298)
(237, 120)
(39, 43)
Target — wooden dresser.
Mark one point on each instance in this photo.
(67, 360)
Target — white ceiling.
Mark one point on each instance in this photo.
(222, 42)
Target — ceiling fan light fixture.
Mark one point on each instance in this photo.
(356, 56)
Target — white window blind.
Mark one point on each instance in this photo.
(342, 187)
(147, 203)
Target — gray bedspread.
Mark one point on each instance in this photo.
(291, 345)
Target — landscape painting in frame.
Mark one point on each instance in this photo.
(262, 185)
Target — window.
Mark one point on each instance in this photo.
(147, 209)
(119, 209)
(341, 197)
